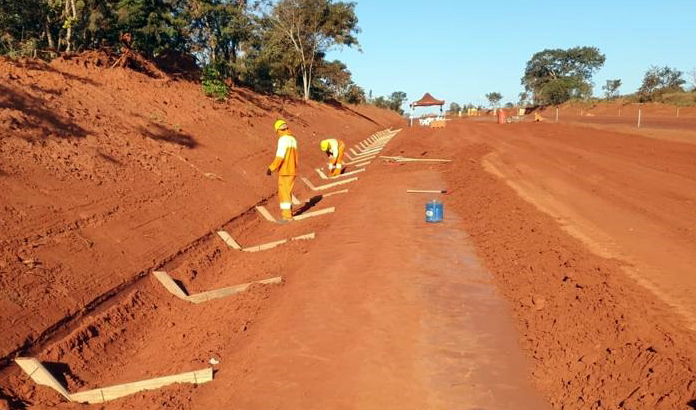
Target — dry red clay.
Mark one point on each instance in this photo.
(107, 175)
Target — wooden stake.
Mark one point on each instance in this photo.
(264, 212)
(229, 240)
(639, 115)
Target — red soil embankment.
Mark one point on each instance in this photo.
(106, 174)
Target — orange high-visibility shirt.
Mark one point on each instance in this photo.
(335, 147)
(286, 155)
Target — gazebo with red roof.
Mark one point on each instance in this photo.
(426, 101)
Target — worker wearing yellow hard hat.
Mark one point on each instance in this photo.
(334, 148)
(285, 163)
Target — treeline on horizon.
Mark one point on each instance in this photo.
(556, 76)
(276, 47)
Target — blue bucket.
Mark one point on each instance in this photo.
(434, 211)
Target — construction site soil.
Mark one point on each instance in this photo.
(562, 275)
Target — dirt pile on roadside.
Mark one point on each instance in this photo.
(106, 174)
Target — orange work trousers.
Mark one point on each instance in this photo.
(285, 185)
(338, 168)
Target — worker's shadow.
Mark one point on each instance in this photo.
(309, 204)
(60, 371)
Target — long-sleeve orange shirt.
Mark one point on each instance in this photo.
(336, 148)
(286, 155)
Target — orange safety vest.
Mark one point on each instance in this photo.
(335, 147)
(286, 155)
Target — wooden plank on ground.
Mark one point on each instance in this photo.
(105, 394)
(321, 173)
(357, 161)
(345, 174)
(333, 184)
(314, 213)
(405, 159)
(231, 290)
(229, 240)
(40, 375)
(327, 186)
(367, 152)
(426, 191)
(295, 201)
(272, 245)
(308, 183)
(264, 212)
(170, 285)
(343, 191)
(174, 288)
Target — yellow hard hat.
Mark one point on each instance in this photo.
(279, 124)
(324, 144)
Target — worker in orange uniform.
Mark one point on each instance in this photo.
(334, 148)
(285, 163)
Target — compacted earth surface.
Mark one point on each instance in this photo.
(561, 275)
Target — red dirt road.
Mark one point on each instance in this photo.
(385, 312)
(599, 338)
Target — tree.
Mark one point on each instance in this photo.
(217, 29)
(658, 81)
(334, 77)
(494, 98)
(313, 27)
(556, 75)
(509, 105)
(396, 100)
(393, 102)
(381, 102)
(454, 108)
(611, 88)
(524, 96)
(154, 25)
(354, 95)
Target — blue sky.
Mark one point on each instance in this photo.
(461, 50)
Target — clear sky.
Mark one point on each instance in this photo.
(461, 50)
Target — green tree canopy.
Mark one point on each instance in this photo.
(556, 75)
(611, 88)
(313, 27)
(659, 80)
(494, 98)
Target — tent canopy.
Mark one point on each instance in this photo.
(427, 100)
